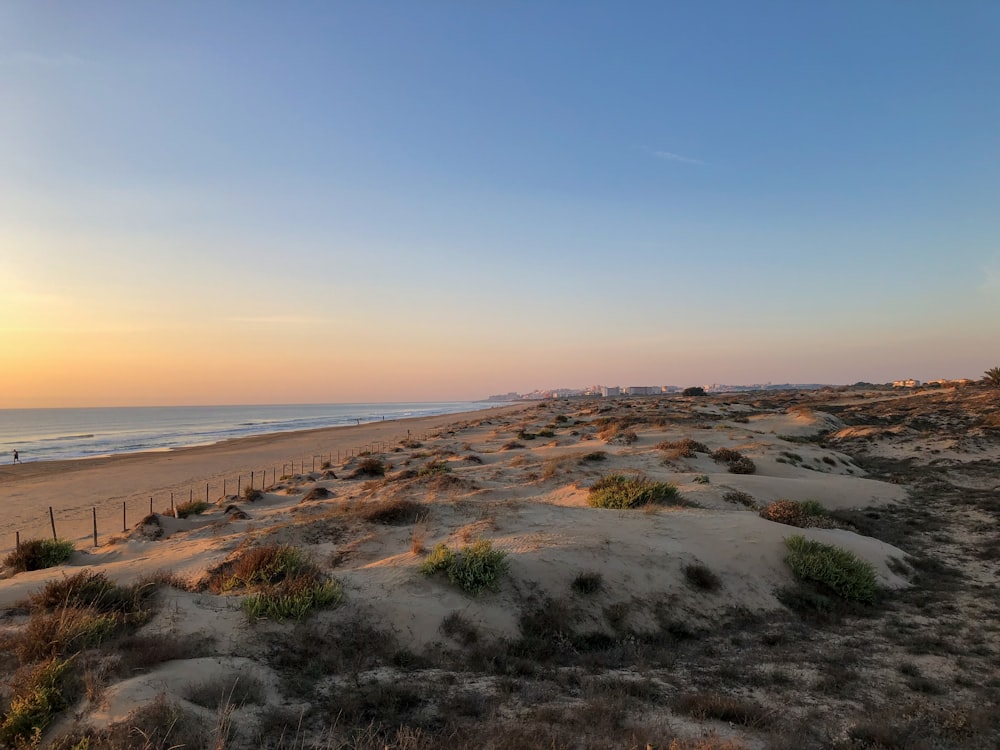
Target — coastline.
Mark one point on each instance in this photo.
(73, 488)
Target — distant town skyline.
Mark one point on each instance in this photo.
(215, 203)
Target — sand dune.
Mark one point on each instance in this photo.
(519, 477)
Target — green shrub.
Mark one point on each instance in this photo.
(38, 554)
(812, 508)
(292, 598)
(439, 558)
(474, 569)
(833, 567)
(252, 494)
(260, 565)
(620, 491)
(478, 567)
(695, 390)
(436, 466)
(594, 456)
(282, 582)
(35, 697)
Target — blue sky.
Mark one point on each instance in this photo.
(443, 200)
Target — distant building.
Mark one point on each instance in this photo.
(910, 383)
(642, 390)
(612, 390)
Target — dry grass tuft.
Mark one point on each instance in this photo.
(393, 512)
(684, 448)
(742, 711)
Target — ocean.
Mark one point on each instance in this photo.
(57, 434)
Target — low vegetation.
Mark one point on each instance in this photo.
(580, 657)
(684, 448)
(739, 497)
(736, 462)
(474, 569)
(370, 466)
(622, 491)
(38, 554)
(588, 583)
(435, 466)
(729, 708)
(833, 568)
(281, 582)
(803, 514)
(701, 577)
(393, 512)
(37, 693)
(292, 598)
(192, 508)
(621, 437)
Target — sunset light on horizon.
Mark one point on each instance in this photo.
(263, 203)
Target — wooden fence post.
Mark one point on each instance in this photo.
(124, 523)
(52, 520)
(172, 511)
(95, 526)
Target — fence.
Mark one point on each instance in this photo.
(105, 517)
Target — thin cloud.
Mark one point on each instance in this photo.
(670, 156)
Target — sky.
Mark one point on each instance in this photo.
(312, 202)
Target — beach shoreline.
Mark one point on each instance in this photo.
(76, 488)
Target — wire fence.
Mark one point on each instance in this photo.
(112, 517)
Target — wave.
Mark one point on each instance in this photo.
(141, 429)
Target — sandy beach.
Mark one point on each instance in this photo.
(74, 488)
(634, 608)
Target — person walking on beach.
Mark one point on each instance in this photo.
(17, 458)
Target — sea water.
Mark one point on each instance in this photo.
(55, 434)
